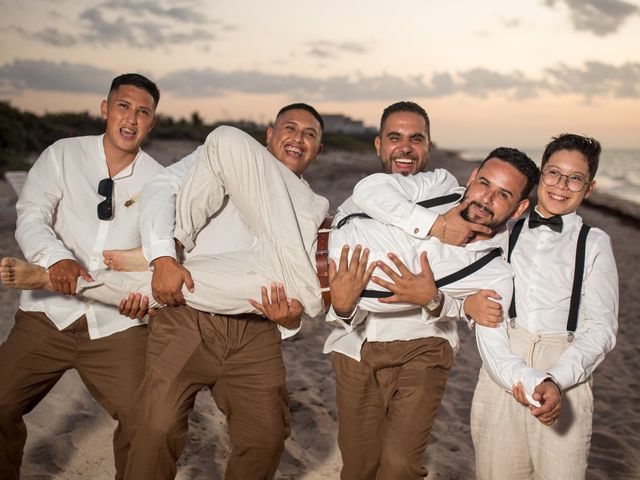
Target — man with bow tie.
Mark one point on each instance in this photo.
(563, 321)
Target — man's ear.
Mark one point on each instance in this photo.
(104, 107)
(522, 206)
(590, 188)
(269, 133)
(472, 177)
(376, 142)
(320, 149)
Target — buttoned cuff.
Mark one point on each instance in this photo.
(348, 323)
(533, 378)
(160, 248)
(419, 222)
(53, 257)
(289, 332)
(563, 374)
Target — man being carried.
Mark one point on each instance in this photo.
(272, 216)
(235, 352)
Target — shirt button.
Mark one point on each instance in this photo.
(416, 230)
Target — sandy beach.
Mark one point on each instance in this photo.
(70, 435)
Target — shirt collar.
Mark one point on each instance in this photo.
(125, 172)
(568, 219)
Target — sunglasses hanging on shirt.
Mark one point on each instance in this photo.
(105, 208)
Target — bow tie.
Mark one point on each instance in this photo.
(554, 223)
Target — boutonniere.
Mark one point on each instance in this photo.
(132, 200)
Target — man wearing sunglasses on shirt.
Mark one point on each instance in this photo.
(80, 198)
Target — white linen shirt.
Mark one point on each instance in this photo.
(392, 199)
(225, 232)
(57, 220)
(543, 262)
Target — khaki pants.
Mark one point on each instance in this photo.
(512, 444)
(387, 404)
(34, 357)
(240, 359)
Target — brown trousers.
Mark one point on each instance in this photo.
(240, 359)
(34, 357)
(387, 404)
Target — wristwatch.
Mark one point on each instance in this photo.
(433, 304)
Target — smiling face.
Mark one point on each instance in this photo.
(130, 115)
(295, 139)
(403, 144)
(494, 192)
(558, 199)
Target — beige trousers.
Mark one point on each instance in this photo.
(280, 208)
(510, 443)
(387, 404)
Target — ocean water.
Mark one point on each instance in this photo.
(618, 173)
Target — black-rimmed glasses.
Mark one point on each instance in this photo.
(552, 177)
(105, 208)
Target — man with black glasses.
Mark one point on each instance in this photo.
(79, 199)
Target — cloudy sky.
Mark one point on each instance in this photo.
(496, 72)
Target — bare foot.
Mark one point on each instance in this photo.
(130, 260)
(16, 273)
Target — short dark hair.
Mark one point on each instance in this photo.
(303, 106)
(521, 162)
(406, 106)
(587, 146)
(139, 81)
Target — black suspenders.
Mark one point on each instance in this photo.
(572, 322)
(453, 277)
(513, 238)
(574, 307)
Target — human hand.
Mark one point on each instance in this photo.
(136, 306)
(166, 282)
(452, 229)
(64, 276)
(279, 309)
(349, 278)
(405, 285)
(482, 309)
(519, 395)
(550, 398)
